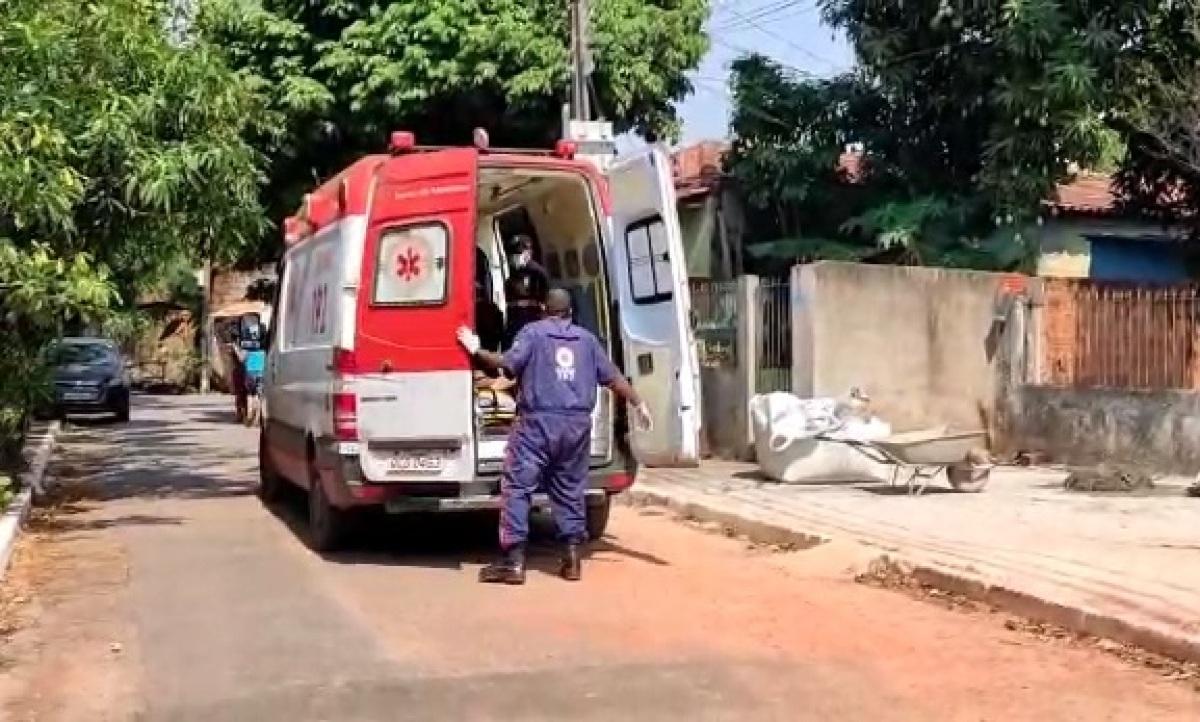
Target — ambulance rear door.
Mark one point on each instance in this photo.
(649, 273)
(415, 397)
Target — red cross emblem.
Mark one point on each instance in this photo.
(408, 264)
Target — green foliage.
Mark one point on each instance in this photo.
(7, 488)
(116, 143)
(120, 154)
(967, 115)
(40, 295)
(338, 76)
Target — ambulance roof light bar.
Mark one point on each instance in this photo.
(565, 149)
(402, 141)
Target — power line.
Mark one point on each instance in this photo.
(752, 108)
(741, 20)
(785, 40)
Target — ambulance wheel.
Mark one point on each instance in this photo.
(327, 525)
(270, 485)
(597, 518)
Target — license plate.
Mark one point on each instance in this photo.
(417, 461)
(79, 395)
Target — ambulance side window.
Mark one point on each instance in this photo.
(649, 261)
(412, 265)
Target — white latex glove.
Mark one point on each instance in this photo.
(642, 417)
(469, 340)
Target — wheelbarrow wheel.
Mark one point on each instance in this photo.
(968, 478)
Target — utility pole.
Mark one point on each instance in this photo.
(594, 139)
(579, 15)
(206, 324)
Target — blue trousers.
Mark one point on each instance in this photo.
(550, 450)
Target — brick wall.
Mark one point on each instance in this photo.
(1059, 323)
(230, 286)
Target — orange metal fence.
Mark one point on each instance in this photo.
(1103, 335)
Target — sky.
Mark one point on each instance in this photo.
(789, 31)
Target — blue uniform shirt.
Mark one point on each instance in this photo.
(558, 366)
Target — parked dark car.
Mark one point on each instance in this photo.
(89, 378)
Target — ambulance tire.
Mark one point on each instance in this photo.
(328, 526)
(597, 518)
(270, 484)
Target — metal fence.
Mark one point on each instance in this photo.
(774, 336)
(1103, 335)
(714, 315)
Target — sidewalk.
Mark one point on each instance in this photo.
(1118, 566)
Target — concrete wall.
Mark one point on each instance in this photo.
(1157, 429)
(922, 342)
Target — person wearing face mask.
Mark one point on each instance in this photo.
(525, 290)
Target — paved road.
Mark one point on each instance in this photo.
(162, 590)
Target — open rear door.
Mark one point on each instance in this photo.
(650, 274)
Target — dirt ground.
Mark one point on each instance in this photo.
(160, 589)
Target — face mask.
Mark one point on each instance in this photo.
(519, 260)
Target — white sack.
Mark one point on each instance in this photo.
(785, 427)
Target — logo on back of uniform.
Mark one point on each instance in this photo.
(564, 360)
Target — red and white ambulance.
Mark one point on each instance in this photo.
(369, 399)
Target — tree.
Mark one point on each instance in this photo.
(1161, 175)
(116, 143)
(1005, 98)
(121, 155)
(821, 201)
(981, 108)
(340, 75)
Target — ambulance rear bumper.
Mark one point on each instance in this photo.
(481, 502)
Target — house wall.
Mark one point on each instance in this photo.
(698, 223)
(922, 342)
(712, 224)
(1127, 250)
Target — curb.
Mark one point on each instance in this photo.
(976, 587)
(37, 455)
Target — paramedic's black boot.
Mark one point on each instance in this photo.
(508, 569)
(572, 563)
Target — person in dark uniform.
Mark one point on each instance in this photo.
(558, 367)
(525, 290)
(489, 321)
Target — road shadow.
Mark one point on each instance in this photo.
(63, 523)
(902, 490)
(450, 540)
(1142, 492)
(152, 458)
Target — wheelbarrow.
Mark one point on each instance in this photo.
(918, 457)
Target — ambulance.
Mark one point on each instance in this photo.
(369, 401)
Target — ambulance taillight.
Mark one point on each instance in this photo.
(345, 400)
(345, 416)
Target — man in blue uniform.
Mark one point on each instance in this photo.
(558, 366)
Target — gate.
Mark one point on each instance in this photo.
(774, 371)
(714, 318)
